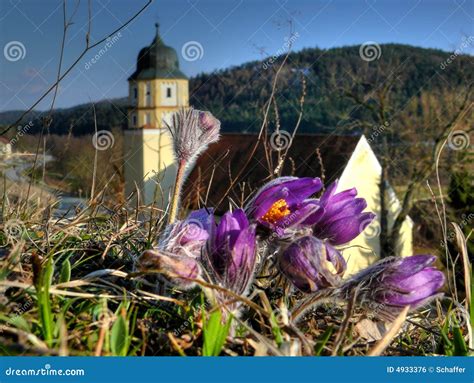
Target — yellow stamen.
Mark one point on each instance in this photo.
(276, 212)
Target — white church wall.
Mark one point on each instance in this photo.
(363, 171)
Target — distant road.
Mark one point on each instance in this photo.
(17, 164)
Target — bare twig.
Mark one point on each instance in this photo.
(75, 62)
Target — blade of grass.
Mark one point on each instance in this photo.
(44, 302)
(462, 245)
(215, 334)
(318, 348)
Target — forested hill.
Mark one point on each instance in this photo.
(236, 95)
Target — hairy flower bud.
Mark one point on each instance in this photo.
(311, 264)
(176, 269)
(231, 252)
(393, 283)
(189, 236)
(192, 132)
(208, 122)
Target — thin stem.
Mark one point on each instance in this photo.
(313, 300)
(94, 173)
(345, 324)
(178, 185)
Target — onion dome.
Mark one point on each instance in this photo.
(157, 61)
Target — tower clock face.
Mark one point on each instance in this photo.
(169, 94)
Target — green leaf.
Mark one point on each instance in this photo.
(318, 348)
(452, 337)
(65, 275)
(276, 329)
(44, 301)
(448, 347)
(459, 344)
(215, 334)
(118, 337)
(19, 322)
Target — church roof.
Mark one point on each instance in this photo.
(223, 161)
(157, 61)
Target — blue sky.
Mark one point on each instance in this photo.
(230, 32)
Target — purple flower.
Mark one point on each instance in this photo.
(311, 264)
(393, 283)
(282, 203)
(188, 237)
(176, 269)
(231, 252)
(411, 281)
(340, 218)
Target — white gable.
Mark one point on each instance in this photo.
(363, 171)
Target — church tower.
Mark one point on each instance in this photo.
(157, 89)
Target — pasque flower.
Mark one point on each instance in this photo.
(179, 270)
(394, 282)
(189, 236)
(231, 252)
(311, 264)
(340, 218)
(283, 204)
(192, 132)
(176, 258)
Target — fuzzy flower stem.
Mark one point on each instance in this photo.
(178, 185)
(322, 296)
